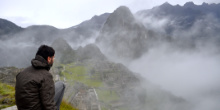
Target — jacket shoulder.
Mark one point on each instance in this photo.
(33, 73)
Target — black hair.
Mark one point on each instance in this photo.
(45, 51)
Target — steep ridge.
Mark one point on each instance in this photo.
(89, 27)
(64, 52)
(181, 17)
(7, 27)
(28, 39)
(122, 36)
(117, 87)
(90, 51)
(85, 31)
(39, 34)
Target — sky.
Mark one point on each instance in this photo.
(67, 13)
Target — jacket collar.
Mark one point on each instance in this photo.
(40, 63)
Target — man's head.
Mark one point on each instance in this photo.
(47, 53)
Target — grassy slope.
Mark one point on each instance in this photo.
(66, 106)
(7, 95)
(7, 98)
(82, 74)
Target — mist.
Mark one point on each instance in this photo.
(20, 48)
(188, 65)
(183, 59)
(191, 75)
(176, 66)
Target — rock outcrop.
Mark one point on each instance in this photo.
(122, 36)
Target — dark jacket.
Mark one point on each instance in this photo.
(35, 87)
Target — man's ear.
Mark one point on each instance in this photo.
(48, 59)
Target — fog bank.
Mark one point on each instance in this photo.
(192, 75)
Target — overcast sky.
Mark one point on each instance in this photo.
(67, 13)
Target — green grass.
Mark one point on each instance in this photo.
(103, 108)
(107, 95)
(80, 74)
(66, 106)
(7, 93)
(7, 90)
(122, 108)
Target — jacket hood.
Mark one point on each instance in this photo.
(40, 63)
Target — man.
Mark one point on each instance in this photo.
(35, 89)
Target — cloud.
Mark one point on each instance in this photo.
(187, 66)
(67, 13)
(58, 13)
(191, 75)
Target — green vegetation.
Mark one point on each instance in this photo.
(7, 98)
(107, 95)
(75, 73)
(91, 77)
(66, 106)
(103, 108)
(7, 95)
(122, 108)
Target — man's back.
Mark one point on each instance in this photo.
(35, 87)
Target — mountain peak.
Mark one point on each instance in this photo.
(205, 4)
(7, 27)
(118, 18)
(122, 8)
(90, 51)
(123, 11)
(189, 4)
(121, 28)
(63, 51)
(166, 4)
(61, 44)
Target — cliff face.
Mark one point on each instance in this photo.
(90, 51)
(65, 54)
(8, 75)
(122, 36)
